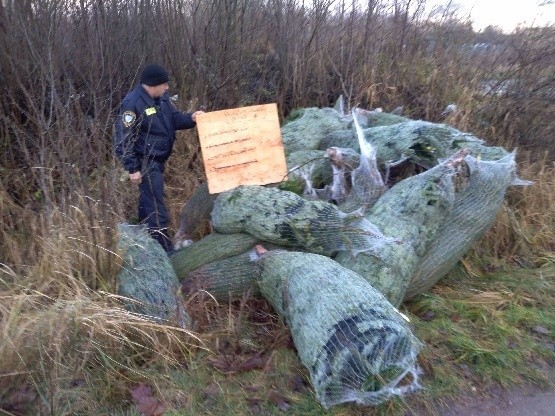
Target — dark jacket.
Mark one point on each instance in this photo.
(145, 128)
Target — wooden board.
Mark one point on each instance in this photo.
(241, 146)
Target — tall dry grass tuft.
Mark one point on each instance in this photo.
(67, 343)
(55, 247)
(18, 242)
(76, 348)
(76, 247)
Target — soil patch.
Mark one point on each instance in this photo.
(526, 401)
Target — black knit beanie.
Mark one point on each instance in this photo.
(153, 75)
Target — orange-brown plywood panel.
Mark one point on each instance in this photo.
(241, 146)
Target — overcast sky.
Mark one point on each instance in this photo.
(506, 14)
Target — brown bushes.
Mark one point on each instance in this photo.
(68, 63)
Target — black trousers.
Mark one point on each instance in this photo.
(152, 210)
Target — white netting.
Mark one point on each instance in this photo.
(367, 184)
(412, 212)
(422, 141)
(225, 279)
(412, 197)
(284, 218)
(355, 344)
(213, 247)
(309, 127)
(314, 161)
(147, 280)
(473, 213)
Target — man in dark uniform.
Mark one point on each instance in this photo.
(145, 134)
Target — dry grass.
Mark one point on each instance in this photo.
(62, 341)
(64, 334)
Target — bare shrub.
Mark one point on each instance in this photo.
(519, 95)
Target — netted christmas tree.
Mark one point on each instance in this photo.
(147, 281)
(377, 208)
(356, 346)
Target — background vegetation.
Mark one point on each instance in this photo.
(67, 347)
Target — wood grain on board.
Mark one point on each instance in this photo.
(241, 146)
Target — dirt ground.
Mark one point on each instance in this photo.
(525, 401)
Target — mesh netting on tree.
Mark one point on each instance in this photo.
(404, 202)
(284, 218)
(195, 216)
(211, 248)
(226, 279)
(421, 141)
(413, 211)
(356, 346)
(474, 210)
(307, 126)
(147, 280)
(311, 164)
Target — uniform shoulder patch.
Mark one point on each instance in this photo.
(128, 118)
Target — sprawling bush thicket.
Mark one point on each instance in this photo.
(67, 64)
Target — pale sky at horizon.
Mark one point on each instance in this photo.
(506, 14)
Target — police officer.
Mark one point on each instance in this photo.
(145, 134)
